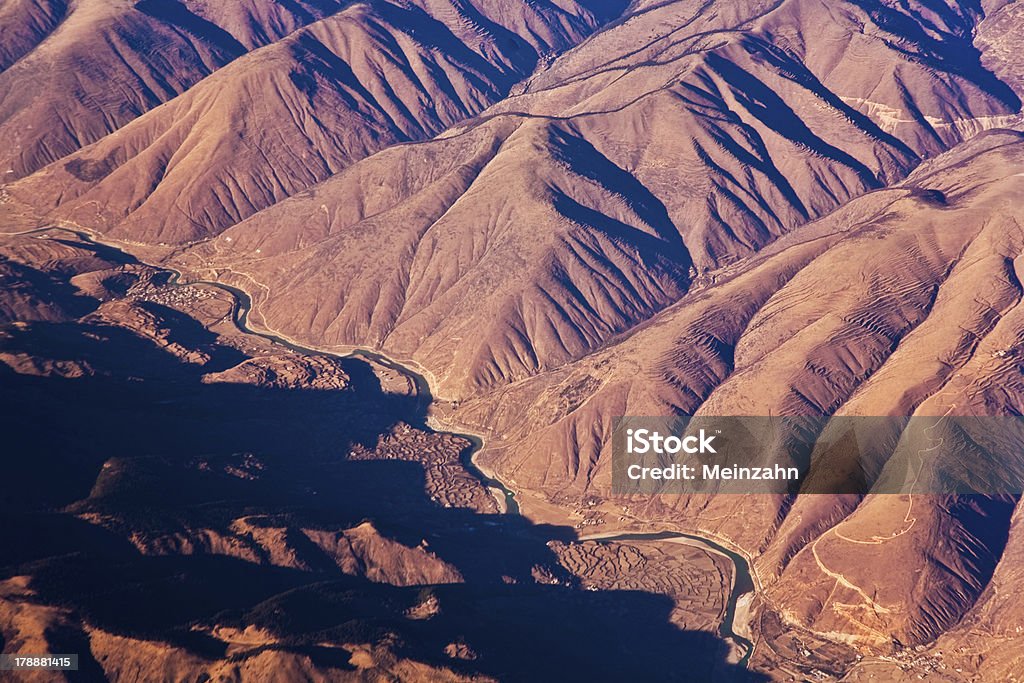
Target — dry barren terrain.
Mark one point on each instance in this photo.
(537, 216)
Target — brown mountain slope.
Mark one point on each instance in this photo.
(300, 110)
(998, 39)
(562, 245)
(786, 109)
(985, 644)
(72, 72)
(905, 302)
(732, 142)
(784, 331)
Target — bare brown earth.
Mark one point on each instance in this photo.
(106, 63)
(569, 213)
(295, 112)
(783, 207)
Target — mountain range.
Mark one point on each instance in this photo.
(554, 213)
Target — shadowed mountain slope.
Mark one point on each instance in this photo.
(207, 504)
(23, 25)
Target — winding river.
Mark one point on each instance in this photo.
(742, 580)
(243, 305)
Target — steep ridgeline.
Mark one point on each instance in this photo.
(749, 119)
(289, 115)
(682, 138)
(72, 71)
(493, 252)
(907, 301)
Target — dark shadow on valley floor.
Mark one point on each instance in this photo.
(151, 450)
